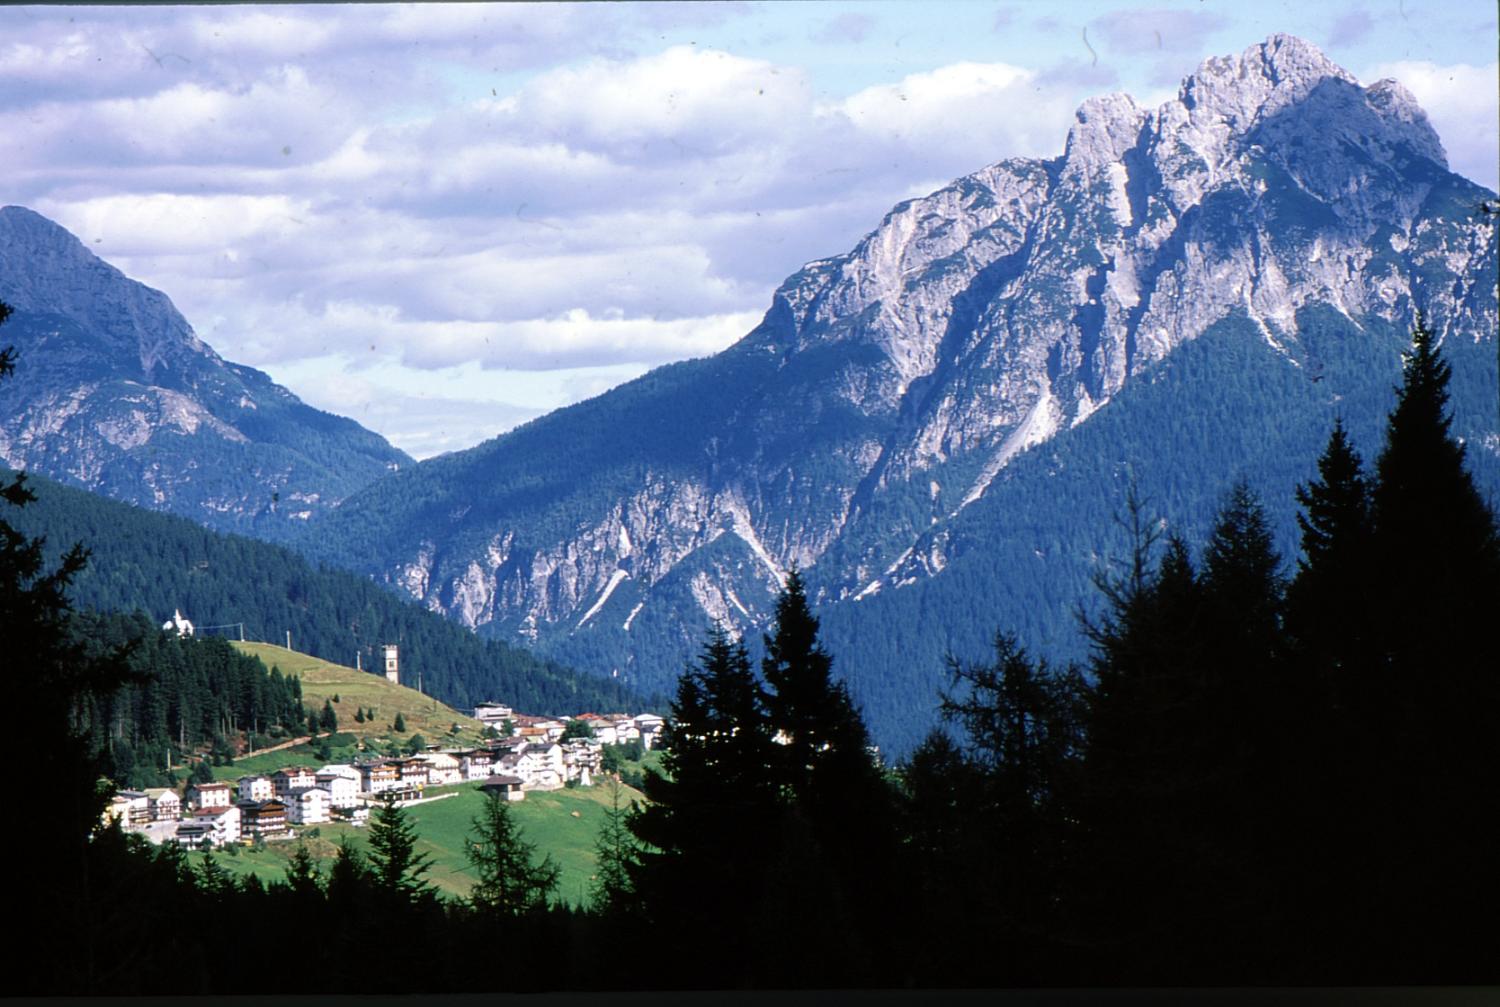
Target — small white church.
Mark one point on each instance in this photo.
(178, 624)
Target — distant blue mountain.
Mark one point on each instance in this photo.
(114, 393)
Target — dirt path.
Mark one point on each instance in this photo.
(274, 748)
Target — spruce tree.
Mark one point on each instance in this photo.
(713, 814)
(840, 810)
(302, 875)
(814, 716)
(616, 852)
(328, 720)
(508, 879)
(396, 866)
(62, 678)
(1434, 594)
(1327, 609)
(1182, 759)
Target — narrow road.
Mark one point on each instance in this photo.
(275, 748)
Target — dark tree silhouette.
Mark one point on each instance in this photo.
(509, 879)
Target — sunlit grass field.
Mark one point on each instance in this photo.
(563, 823)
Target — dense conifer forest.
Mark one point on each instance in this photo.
(185, 694)
(144, 561)
(1268, 771)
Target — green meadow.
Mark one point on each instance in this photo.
(564, 823)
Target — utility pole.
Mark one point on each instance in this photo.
(288, 639)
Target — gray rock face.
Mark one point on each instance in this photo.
(888, 388)
(114, 392)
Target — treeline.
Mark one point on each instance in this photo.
(141, 560)
(183, 695)
(1261, 776)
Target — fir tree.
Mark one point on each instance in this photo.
(1432, 746)
(840, 811)
(302, 875)
(1327, 611)
(616, 852)
(813, 714)
(713, 813)
(509, 880)
(396, 866)
(328, 720)
(62, 679)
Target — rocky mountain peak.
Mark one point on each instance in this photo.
(911, 411)
(45, 269)
(113, 392)
(1259, 82)
(1104, 128)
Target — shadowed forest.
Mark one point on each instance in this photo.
(1271, 770)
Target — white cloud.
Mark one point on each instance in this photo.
(173, 224)
(693, 101)
(1463, 103)
(403, 189)
(574, 338)
(984, 111)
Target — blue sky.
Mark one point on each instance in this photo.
(443, 221)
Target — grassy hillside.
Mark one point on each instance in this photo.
(348, 690)
(564, 823)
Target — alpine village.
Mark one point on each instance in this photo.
(1089, 579)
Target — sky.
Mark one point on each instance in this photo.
(443, 221)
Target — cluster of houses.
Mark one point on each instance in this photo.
(533, 757)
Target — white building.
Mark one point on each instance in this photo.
(541, 766)
(309, 807)
(493, 714)
(166, 806)
(358, 814)
(581, 759)
(292, 779)
(177, 624)
(256, 788)
(136, 809)
(443, 768)
(340, 769)
(650, 726)
(476, 764)
(342, 791)
(220, 827)
(209, 796)
(379, 776)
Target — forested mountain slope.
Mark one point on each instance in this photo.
(939, 426)
(159, 563)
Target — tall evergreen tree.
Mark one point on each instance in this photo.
(1183, 759)
(840, 822)
(62, 680)
(395, 865)
(1434, 594)
(709, 820)
(509, 881)
(821, 731)
(1023, 723)
(1327, 611)
(616, 852)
